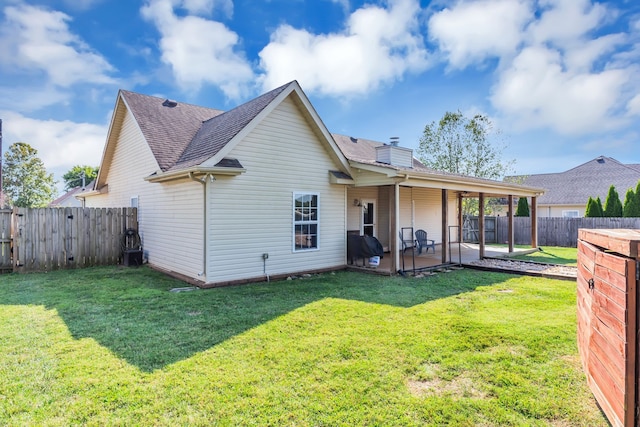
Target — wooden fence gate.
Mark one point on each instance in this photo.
(46, 239)
(5, 241)
(607, 319)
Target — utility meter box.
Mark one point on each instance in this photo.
(607, 289)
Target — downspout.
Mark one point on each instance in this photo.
(203, 181)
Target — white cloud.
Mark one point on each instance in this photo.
(37, 40)
(204, 7)
(32, 98)
(60, 144)
(378, 45)
(82, 4)
(199, 51)
(558, 66)
(472, 31)
(633, 106)
(565, 21)
(536, 90)
(344, 4)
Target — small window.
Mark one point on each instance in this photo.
(570, 214)
(134, 202)
(305, 221)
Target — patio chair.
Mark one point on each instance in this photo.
(407, 242)
(424, 243)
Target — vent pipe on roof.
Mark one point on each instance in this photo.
(394, 141)
(169, 103)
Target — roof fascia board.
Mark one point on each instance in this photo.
(421, 179)
(462, 184)
(197, 170)
(112, 129)
(317, 120)
(341, 181)
(388, 172)
(490, 190)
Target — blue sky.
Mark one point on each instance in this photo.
(559, 78)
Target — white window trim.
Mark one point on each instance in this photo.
(294, 223)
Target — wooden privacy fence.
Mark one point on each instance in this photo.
(556, 231)
(61, 238)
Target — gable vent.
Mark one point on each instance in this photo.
(169, 103)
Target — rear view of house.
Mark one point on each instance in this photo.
(265, 190)
(228, 196)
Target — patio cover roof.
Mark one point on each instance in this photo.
(361, 154)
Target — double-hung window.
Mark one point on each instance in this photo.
(305, 221)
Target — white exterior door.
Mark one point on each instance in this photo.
(368, 218)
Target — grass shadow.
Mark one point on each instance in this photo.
(133, 314)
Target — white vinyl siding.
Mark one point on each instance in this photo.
(251, 214)
(170, 214)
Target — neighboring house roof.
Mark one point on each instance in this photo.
(590, 179)
(67, 199)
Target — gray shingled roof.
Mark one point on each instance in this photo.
(216, 132)
(591, 179)
(168, 130)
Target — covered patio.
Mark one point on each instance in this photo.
(391, 194)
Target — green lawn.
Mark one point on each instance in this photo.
(111, 346)
(552, 255)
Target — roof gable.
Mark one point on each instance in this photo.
(215, 133)
(255, 111)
